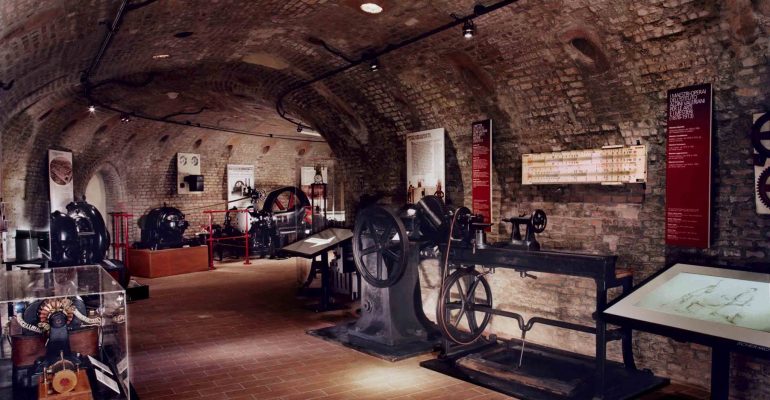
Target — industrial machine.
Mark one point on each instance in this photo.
(283, 218)
(387, 248)
(163, 228)
(79, 237)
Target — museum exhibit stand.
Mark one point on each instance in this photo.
(64, 335)
(727, 310)
(166, 262)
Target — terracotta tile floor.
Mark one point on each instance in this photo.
(239, 333)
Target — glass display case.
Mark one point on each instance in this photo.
(64, 335)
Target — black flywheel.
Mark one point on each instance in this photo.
(380, 245)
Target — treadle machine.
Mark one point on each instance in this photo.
(387, 247)
(511, 366)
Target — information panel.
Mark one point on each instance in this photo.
(60, 173)
(615, 165)
(688, 167)
(481, 168)
(719, 302)
(425, 164)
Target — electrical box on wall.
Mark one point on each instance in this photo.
(188, 173)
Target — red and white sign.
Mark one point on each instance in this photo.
(481, 168)
(688, 167)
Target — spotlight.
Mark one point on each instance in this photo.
(299, 128)
(125, 118)
(92, 109)
(374, 65)
(469, 29)
(371, 8)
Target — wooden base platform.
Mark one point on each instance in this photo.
(82, 390)
(158, 263)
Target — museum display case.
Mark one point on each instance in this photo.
(64, 334)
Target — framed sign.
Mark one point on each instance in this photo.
(688, 167)
(239, 177)
(425, 173)
(60, 174)
(481, 168)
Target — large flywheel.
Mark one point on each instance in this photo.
(380, 246)
(464, 306)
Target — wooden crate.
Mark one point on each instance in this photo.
(157, 263)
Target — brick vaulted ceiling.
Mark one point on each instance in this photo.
(565, 72)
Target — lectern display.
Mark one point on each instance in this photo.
(718, 302)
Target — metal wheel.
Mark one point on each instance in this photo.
(380, 245)
(285, 199)
(539, 221)
(463, 309)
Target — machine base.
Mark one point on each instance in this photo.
(339, 334)
(546, 373)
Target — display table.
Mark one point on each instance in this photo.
(167, 262)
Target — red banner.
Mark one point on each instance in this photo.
(688, 167)
(481, 168)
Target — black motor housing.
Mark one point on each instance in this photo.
(163, 228)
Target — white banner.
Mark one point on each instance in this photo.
(425, 174)
(60, 173)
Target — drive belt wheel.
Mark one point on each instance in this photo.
(380, 246)
(464, 307)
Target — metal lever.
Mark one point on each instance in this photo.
(523, 343)
(525, 274)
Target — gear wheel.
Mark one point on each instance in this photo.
(763, 187)
(757, 136)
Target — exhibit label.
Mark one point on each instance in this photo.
(60, 173)
(481, 168)
(425, 164)
(688, 166)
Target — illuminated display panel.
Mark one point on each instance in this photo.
(719, 302)
(608, 165)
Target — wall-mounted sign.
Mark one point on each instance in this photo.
(239, 177)
(608, 165)
(187, 164)
(60, 173)
(481, 168)
(688, 167)
(425, 164)
(760, 139)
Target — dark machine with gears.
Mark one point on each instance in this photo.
(465, 309)
(283, 218)
(163, 228)
(79, 236)
(387, 249)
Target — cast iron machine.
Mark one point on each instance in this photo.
(465, 309)
(163, 228)
(78, 237)
(387, 247)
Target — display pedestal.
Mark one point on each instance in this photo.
(158, 263)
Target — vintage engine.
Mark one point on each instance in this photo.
(387, 247)
(80, 237)
(163, 228)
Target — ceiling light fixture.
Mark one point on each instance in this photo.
(160, 56)
(125, 118)
(92, 109)
(299, 128)
(374, 65)
(371, 8)
(469, 29)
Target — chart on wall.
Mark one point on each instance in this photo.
(425, 174)
(688, 166)
(760, 139)
(239, 177)
(60, 175)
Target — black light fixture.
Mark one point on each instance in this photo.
(125, 118)
(469, 29)
(92, 109)
(374, 65)
(299, 128)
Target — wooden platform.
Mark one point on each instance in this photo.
(158, 263)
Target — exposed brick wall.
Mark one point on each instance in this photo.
(524, 70)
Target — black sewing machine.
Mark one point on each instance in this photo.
(535, 223)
